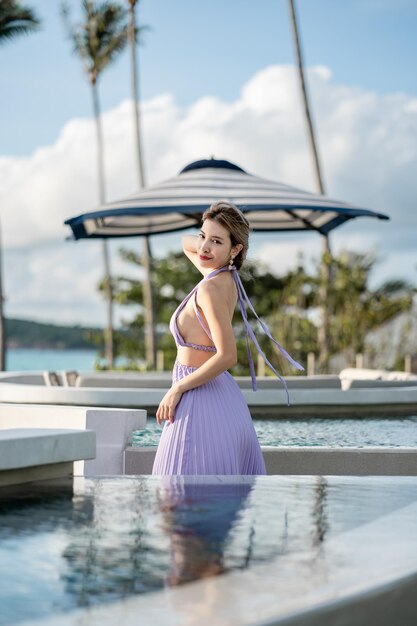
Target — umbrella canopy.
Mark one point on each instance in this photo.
(178, 203)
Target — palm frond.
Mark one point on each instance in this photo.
(101, 36)
(16, 20)
(394, 287)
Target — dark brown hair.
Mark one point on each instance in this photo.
(233, 220)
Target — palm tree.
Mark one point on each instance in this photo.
(98, 41)
(148, 296)
(323, 334)
(15, 20)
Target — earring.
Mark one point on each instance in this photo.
(231, 262)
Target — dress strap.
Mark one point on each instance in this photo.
(214, 273)
(243, 302)
(200, 319)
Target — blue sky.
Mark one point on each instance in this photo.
(197, 48)
(216, 78)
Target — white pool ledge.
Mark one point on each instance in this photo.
(30, 454)
(113, 428)
(389, 401)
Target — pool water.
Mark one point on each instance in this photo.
(362, 433)
(110, 538)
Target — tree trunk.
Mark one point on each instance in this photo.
(135, 93)
(323, 332)
(108, 331)
(2, 320)
(148, 296)
(300, 65)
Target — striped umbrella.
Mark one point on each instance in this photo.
(178, 203)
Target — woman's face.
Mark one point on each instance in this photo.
(214, 247)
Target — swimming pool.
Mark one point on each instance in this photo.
(112, 538)
(365, 432)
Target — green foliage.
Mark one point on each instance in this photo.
(355, 307)
(172, 278)
(287, 304)
(16, 20)
(288, 317)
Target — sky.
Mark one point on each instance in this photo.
(216, 78)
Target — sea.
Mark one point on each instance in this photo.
(27, 359)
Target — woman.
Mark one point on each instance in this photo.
(200, 516)
(208, 428)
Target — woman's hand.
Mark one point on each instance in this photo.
(167, 405)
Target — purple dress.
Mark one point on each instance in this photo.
(212, 432)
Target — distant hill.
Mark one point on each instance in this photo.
(28, 334)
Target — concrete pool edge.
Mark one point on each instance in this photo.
(333, 579)
(303, 460)
(336, 402)
(384, 604)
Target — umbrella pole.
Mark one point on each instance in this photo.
(148, 299)
(323, 334)
(108, 291)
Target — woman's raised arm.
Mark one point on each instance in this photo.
(189, 245)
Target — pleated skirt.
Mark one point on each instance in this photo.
(212, 432)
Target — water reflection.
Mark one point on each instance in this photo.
(111, 551)
(32, 507)
(320, 516)
(116, 537)
(198, 517)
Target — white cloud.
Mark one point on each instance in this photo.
(57, 282)
(366, 142)
(285, 252)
